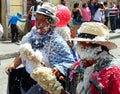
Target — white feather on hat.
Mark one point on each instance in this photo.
(95, 32)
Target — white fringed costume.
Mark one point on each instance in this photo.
(42, 74)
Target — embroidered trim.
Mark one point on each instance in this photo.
(96, 85)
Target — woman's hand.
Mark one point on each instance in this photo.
(15, 64)
(56, 72)
(9, 68)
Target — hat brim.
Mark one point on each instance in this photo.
(53, 17)
(110, 45)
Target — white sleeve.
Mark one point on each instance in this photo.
(31, 8)
(64, 32)
(25, 38)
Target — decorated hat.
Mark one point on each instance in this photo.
(95, 32)
(48, 9)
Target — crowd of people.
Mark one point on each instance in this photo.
(49, 45)
(92, 10)
(103, 12)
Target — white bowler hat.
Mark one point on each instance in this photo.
(48, 9)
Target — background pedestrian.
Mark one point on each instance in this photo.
(12, 23)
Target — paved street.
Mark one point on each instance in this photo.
(8, 49)
(3, 76)
(116, 52)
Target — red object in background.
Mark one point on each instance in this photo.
(63, 13)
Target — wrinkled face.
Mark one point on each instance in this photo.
(88, 52)
(42, 24)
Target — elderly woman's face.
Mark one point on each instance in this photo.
(88, 52)
(41, 24)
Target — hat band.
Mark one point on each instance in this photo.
(46, 11)
(86, 35)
